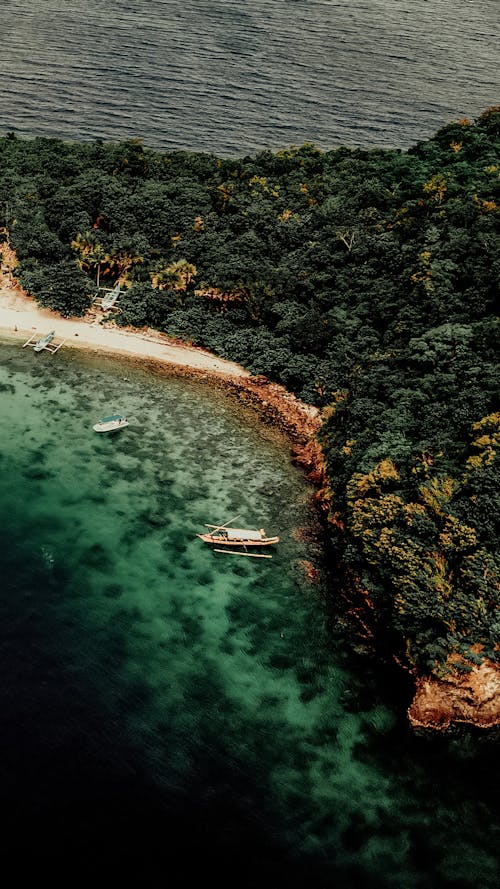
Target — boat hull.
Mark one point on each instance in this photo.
(109, 427)
(222, 541)
(40, 346)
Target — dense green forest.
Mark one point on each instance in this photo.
(364, 281)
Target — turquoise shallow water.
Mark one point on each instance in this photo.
(165, 708)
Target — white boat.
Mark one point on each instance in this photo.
(47, 343)
(110, 424)
(222, 535)
(41, 344)
(110, 299)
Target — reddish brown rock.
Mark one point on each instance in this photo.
(472, 698)
(309, 571)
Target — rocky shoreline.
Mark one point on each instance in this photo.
(438, 705)
(472, 699)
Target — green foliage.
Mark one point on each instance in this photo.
(144, 306)
(364, 281)
(61, 286)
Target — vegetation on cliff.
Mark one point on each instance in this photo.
(366, 282)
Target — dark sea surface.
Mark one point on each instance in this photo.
(234, 77)
(171, 717)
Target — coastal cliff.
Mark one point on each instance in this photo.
(473, 699)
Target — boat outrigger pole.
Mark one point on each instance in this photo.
(220, 527)
(234, 552)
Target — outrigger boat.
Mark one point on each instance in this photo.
(108, 301)
(110, 424)
(46, 342)
(223, 535)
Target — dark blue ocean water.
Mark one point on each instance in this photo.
(236, 76)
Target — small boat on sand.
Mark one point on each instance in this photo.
(110, 424)
(109, 300)
(241, 538)
(46, 343)
(41, 344)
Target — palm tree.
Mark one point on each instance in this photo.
(97, 257)
(91, 253)
(176, 276)
(123, 260)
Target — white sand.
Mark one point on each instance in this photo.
(21, 317)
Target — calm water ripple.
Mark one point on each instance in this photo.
(234, 77)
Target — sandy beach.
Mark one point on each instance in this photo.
(21, 317)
